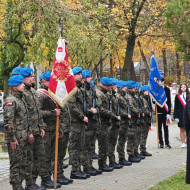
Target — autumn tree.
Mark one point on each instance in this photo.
(178, 23)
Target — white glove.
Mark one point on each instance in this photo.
(177, 120)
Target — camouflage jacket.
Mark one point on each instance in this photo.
(123, 107)
(46, 107)
(91, 122)
(133, 104)
(35, 118)
(76, 106)
(146, 108)
(66, 115)
(103, 106)
(16, 118)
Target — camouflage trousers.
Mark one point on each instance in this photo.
(86, 159)
(62, 148)
(20, 165)
(131, 137)
(93, 142)
(103, 143)
(144, 135)
(76, 145)
(40, 160)
(138, 137)
(114, 132)
(122, 140)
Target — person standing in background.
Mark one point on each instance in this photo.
(180, 103)
(162, 113)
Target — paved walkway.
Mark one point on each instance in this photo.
(140, 176)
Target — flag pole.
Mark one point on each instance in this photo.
(157, 125)
(56, 149)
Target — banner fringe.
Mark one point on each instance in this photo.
(62, 103)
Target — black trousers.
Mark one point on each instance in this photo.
(187, 180)
(162, 121)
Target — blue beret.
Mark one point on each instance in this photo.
(106, 81)
(46, 76)
(86, 73)
(144, 88)
(16, 71)
(131, 84)
(41, 76)
(15, 80)
(114, 81)
(77, 70)
(138, 84)
(92, 83)
(121, 84)
(26, 71)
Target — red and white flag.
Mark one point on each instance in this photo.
(62, 83)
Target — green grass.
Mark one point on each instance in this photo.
(175, 182)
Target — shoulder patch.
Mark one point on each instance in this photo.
(99, 95)
(129, 97)
(9, 103)
(38, 96)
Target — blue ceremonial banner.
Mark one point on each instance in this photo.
(156, 88)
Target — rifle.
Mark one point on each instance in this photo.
(138, 110)
(128, 108)
(118, 109)
(84, 100)
(94, 117)
(110, 107)
(142, 111)
(150, 109)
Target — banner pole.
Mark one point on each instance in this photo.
(157, 125)
(56, 149)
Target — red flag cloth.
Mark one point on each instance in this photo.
(62, 82)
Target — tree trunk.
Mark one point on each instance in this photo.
(111, 66)
(5, 85)
(178, 70)
(101, 69)
(128, 72)
(143, 56)
(165, 62)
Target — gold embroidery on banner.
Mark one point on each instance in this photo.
(61, 71)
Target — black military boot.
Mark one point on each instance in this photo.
(124, 162)
(145, 153)
(90, 171)
(50, 184)
(97, 171)
(106, 168)
(115, 165)
(70, 180)
(77, 175)
(40, 188)
(34, 187)
(65, 166)
(139, 156)
(62, 181)
(134, 159)
(95, 156)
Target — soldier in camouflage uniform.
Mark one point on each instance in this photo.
(92, 126)
(37, 125)
(49, 111)
(114, 132)
(131, 85)
(78, 120)
(17, 129)
(63, 142)
(147, 120)
(125, 117)
(141, 121)
(105, 116)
